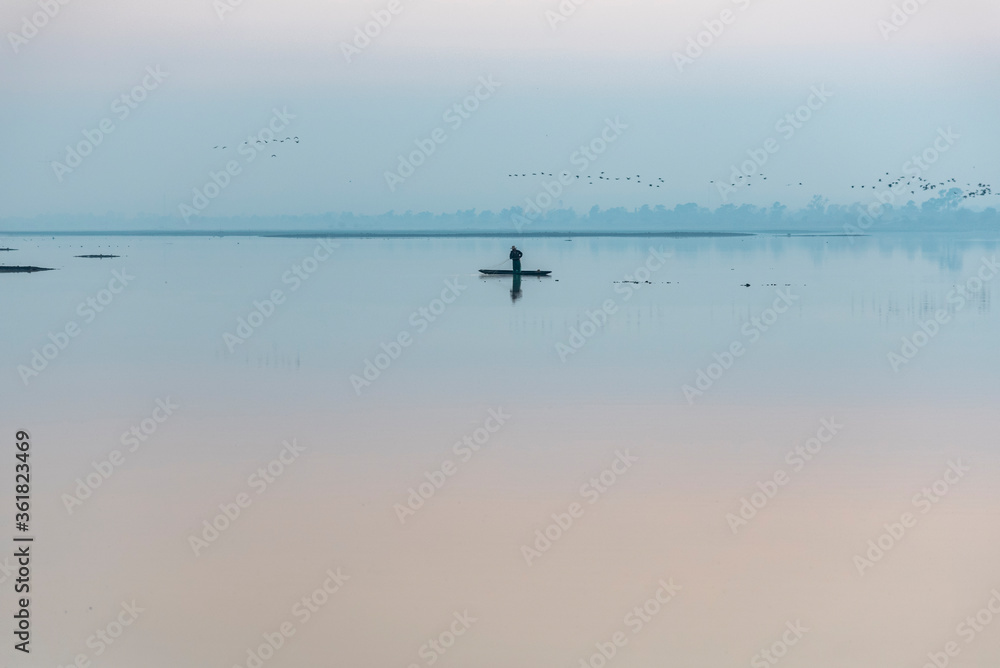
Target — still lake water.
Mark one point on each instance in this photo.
(814, 320)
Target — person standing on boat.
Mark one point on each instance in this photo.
(515, 256)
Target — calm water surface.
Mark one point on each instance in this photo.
(584, 368)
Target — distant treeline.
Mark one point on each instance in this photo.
(940, 213)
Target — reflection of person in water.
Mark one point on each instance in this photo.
(515, 255)
(515, 288)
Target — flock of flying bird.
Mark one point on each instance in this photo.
(748, 180)
(637, 179)
(600, 177)
(969, 191)
(264, 141)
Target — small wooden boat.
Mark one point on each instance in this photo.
(510, 272)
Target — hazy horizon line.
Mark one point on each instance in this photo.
(855, 219)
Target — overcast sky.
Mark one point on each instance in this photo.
(878, 97)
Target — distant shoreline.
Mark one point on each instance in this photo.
(22, 270)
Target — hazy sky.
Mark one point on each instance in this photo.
(226, 68)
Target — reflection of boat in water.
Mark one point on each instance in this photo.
(509, 272)
(515, 286)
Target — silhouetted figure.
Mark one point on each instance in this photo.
(515, 256)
